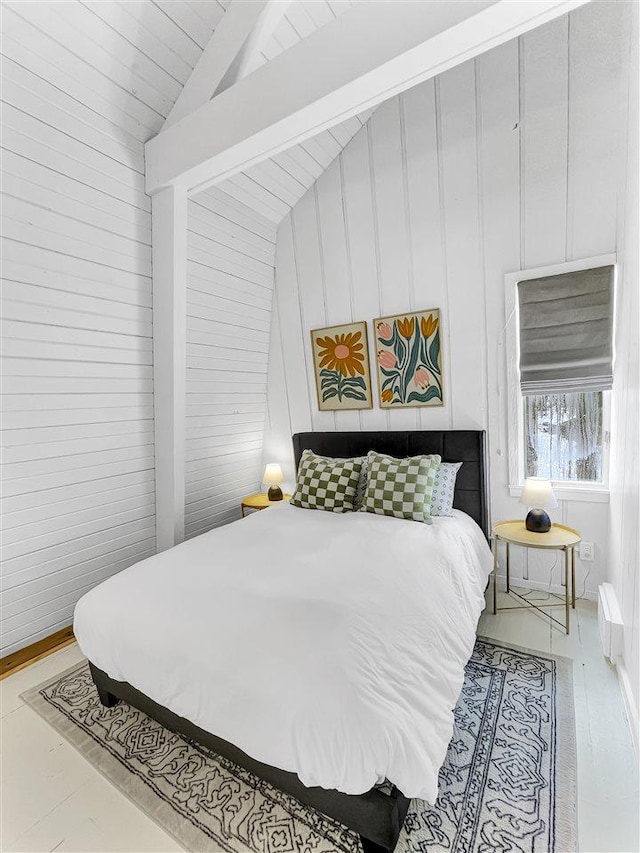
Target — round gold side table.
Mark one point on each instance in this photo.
(259, 501)
(559, 538)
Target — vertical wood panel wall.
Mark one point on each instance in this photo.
(230, 268)
(84, 86)
(508, 161)
(625, 461)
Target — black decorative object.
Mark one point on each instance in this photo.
(537, 494)
(538, 521)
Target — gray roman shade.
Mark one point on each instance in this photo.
(566, 332)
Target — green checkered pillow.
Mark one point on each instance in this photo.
(400, 487)
(325, 483)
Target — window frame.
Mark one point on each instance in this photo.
(564, 489)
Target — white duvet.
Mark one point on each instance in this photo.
(330, 645)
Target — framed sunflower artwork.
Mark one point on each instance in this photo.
(341, 363)
(409, 360)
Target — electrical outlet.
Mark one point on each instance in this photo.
(586, 551)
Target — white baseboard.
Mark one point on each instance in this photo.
(630, 707)
(523, 583)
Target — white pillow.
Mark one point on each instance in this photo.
(443, 489)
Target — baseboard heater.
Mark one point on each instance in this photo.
(609, 622)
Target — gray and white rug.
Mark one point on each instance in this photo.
(508, 782)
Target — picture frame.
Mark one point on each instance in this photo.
(409, 359)
(341, 367)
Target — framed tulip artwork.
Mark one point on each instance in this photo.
(341, 362)
(409, 359)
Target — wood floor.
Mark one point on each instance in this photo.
(52, 799)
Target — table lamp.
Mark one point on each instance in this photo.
(272, 478)
(538, 494)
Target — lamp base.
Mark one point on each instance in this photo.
(537, 521)
(274, 493)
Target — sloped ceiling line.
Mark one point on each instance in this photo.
(274, 186)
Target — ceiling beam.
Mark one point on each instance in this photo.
(369, 54)
(226, 43)
(264, 28)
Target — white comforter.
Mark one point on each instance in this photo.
(329, 645)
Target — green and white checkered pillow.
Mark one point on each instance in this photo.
(326, 483)
(400, 487)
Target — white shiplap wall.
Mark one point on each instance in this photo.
(624, 553)
(506, 162)
(232, 236)
(231, 251)
(84, 85)
(437, 187)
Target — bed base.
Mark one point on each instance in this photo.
(376, 816)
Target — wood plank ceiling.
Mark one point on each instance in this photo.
(148, 48)
(273, 187)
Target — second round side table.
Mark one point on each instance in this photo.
(559, 538)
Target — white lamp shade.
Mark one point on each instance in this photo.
(538, 493)
(272, 474)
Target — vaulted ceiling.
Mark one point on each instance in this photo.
(136, 55)
(274, 186)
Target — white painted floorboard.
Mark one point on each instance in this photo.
(52, 799)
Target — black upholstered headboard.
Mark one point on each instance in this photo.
(456, 445)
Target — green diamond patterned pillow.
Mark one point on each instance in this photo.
(325, 483)
(400, 487)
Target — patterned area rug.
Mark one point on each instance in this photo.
(507, 784)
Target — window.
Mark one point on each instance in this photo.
(559, 337)
(564, 436)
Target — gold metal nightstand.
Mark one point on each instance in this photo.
(259, 501)
(559, 538)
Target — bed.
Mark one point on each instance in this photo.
(323, 652)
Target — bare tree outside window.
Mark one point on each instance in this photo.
(563, 435)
